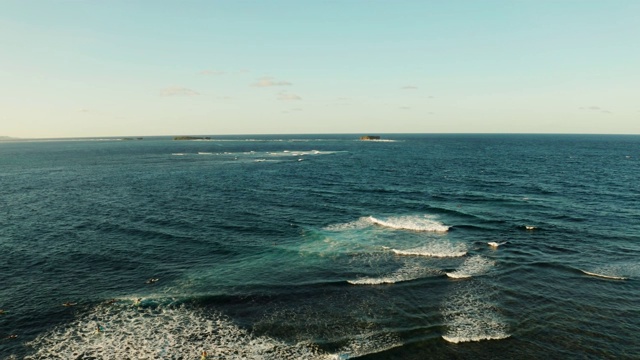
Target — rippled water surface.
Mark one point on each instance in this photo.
(321, 247)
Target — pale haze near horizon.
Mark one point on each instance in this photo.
(116, 68)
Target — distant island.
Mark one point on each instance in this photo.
(370, 137)
(5, 138)
(191, 138)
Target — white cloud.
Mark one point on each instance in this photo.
(178, 91)
(285, 96)
(83, 110)
(269, 81)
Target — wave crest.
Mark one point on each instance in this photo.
(472, 266)
(406, 273)
(414, 223)
(436, 249)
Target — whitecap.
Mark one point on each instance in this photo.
(411, 222)
(472, 266)
(435, 249)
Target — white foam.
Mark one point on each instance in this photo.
(495, 244)
(406, 273)
(470, 315)
(178, 154)
(472, 266)
(361, 223)
(436, 249)
(411, 222)
(130, 332)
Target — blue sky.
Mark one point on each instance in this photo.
(74, 68)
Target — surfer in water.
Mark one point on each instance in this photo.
(68, 304)
(204, 355)
(152, 281)
(2, 312)
(137, 302)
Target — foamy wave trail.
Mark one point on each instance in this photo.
(472, 316)
(411, 222)
(361, 223)
(122, 331)
(472, 266)
(163, 333)
(406, 273)
(364, 344)
(436, 249)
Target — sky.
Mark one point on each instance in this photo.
(87, 68)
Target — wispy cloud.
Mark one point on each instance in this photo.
(178, 91)
(285, 96)
(83, 110)
(404, 108)
(409, 87)
(269, 81)
(595, 109)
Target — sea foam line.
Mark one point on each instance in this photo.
(604, 276)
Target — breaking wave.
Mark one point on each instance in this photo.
(406, 273)
(435, 249)
(361, 223)
(414, 223)
(472, 266)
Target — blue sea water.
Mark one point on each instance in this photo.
(321, 247)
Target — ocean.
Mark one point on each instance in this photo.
(321, 247)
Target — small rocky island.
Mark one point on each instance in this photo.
(191, 138)
(370, 137)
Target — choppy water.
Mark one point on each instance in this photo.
(321, 247)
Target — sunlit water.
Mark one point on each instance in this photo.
(321, 247)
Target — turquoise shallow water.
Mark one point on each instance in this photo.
(321, 247)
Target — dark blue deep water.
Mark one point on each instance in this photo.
(321, 247)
